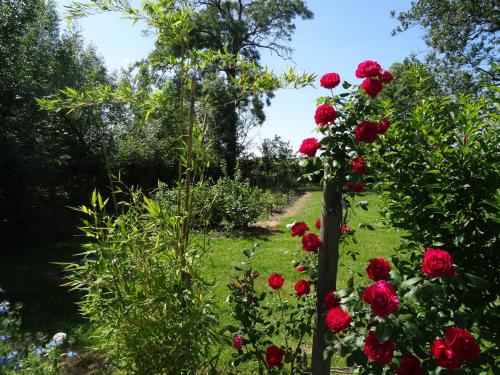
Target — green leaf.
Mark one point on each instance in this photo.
(409, 282)
(384, 331)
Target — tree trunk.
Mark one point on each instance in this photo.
(331, 218)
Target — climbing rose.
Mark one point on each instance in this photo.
(311, 242)
(382, 298)
(309, 147)
(275, 281)
(300, 268)
(358, 165)
(302, 287)
(366, 131)
(299, 228)
(372, 87)
(318, 223)
(345, 228)
(385, 76)
(330, 301)
(337, 319)
(368, 68)
(462, 342)
(355, 187)
(437, 263)
(325, 114)
(383, 126)
(445, 355)
(409, 365)
(378, 269)
(378, 351)
(329, 80)
(274, 356)
(237, 342)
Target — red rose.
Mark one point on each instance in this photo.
(368, 68)
(366, 131)
(337, 319)
(445, 355)
(237, 342)
(300, 268)
(372, 87)
(382, 298)
(302, 287)
(378, 351)
(299, 228)
(385, 76)
(318, 224)
(378, 269)
(325, 114)
(409, 365)
(358, 165)
(275, 281)
(274, 356)
(383, 126)
(311, 242)
(355, 187)
(345, 228)
(329, 80)
(437, 263)
(462, 342)
(309, 147)
(330, 301)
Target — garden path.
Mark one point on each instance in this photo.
(293, 210)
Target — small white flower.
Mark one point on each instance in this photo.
(289, 226)
(59, 338)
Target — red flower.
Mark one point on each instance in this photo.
(318, 223)
(462, 342)
(311, 242)
(409, 365)
(345, 228)
(330, 301)
(275, 281)
(383, 126)
(445, 355)
(366, 131)
(372, 87)
(378, 351)
(385, 76)
(302, 287)
(382, 298)
(274, 356)
(358, 165)
(309, 147)
(237, 342)
(337, 319)
(329, 80)
(299, 228)
(368, 68)
(325, 114)
(356, 188)
(300, 268)
(378, 269)
(437, 263)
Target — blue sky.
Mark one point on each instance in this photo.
(342, 34)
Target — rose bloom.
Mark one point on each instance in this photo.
(409, 365)
(445, 355)
(368, 68)
(274, 356)
(385, 76)
(383, 125)
(299, 229)
(309, 147)
(378, 269)
(382, 298)
(337, 319)
(318, 223)
(237, 342)
(345, 228)
(356, 188)
(311, 242)
(329, 80)
(330, 301)
(378, 351)
(366, 131)
(437, 263)
(325, 114)
(463, 343)
(302, 287)
(300, 268)
(372, 87)
(275, 281)
(358, 165)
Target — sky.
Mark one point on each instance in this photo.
(341, 35)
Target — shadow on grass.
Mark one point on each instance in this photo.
(254, 233)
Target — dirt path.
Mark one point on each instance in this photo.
(274, 220)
